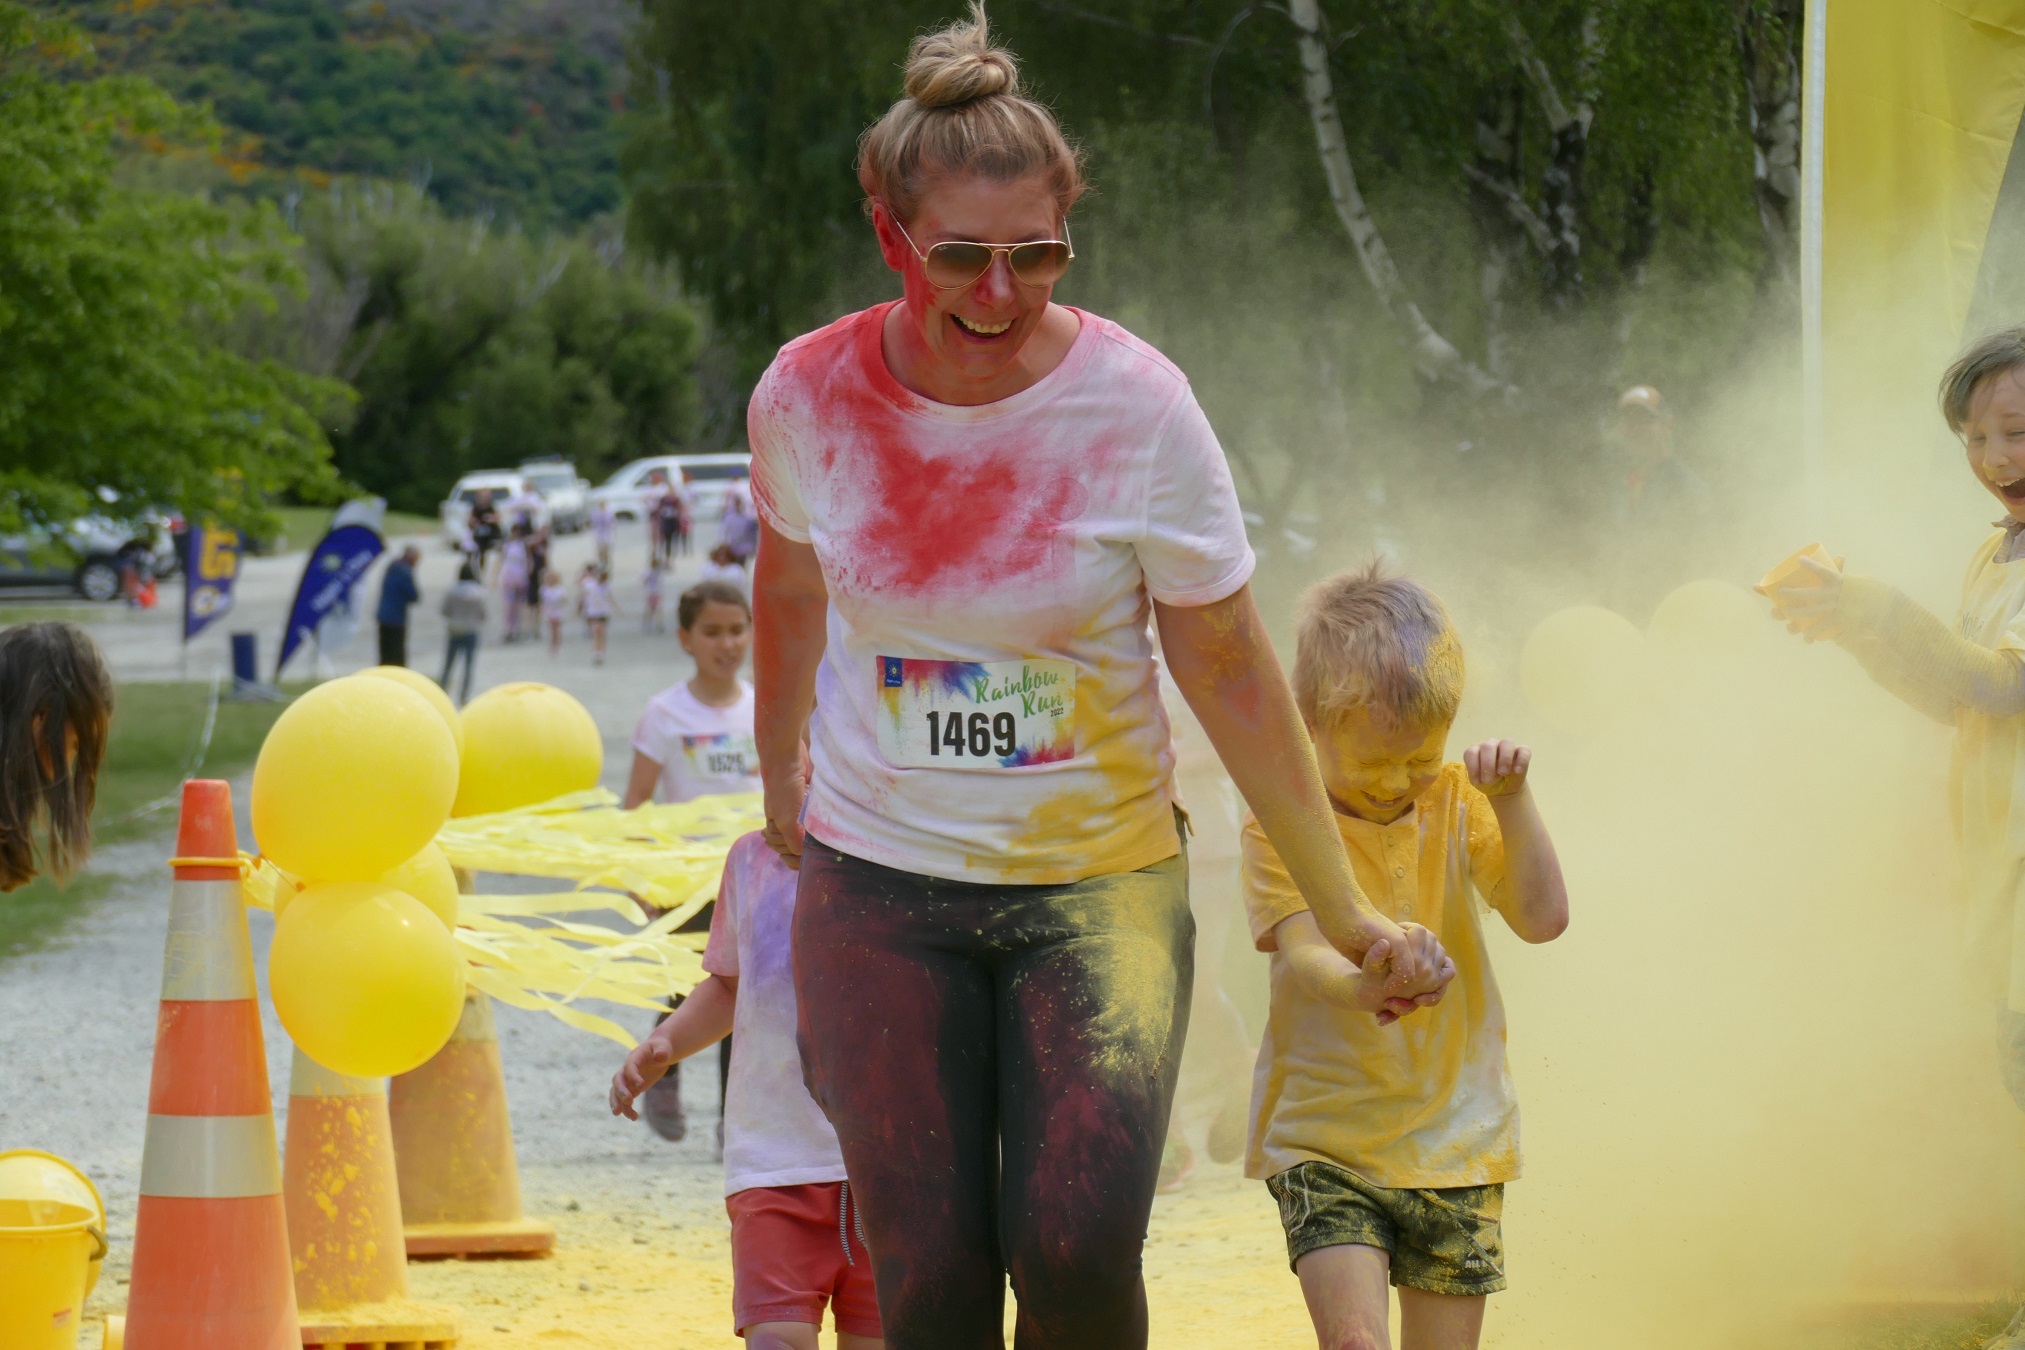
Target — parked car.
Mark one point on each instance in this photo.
(633, 490)
(504, 485)
(86, 556)
(566, 494)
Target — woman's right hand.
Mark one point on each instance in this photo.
(784, 794)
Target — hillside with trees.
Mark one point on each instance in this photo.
(509, 109)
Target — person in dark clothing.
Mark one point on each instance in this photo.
(486, 532)
(1665, 513)
(398, 592)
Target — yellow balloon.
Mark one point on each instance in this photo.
(525, 743)
(364, 978)
(353, 779)
(428, 877)
(428, 689)
(1715, 616)
(1585, 668)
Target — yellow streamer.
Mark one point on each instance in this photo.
(523, 952)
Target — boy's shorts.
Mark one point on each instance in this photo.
(1445, 1241)
(795, 1249)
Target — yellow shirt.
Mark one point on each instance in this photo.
(1426, 1102)
(1989, 783)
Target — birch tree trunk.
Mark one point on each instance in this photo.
(1434, 357)
(1768, 37)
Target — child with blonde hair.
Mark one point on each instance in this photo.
(1387, 1143)
(1969, 674)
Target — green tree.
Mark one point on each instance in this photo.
(476, 347)
(116, 304)
(1448, 216)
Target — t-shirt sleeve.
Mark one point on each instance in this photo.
(654, 736)
(776, 490)
(1270, 893)
(2012, 636)
(1193, 549)
(1486, 844)
(720, 953)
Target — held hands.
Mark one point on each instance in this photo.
(1498, 768)
(643, 1068)
(1400, 973)
(1396, 979)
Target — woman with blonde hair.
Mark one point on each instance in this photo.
(973, 500)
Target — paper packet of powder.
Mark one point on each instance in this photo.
(1793, 574)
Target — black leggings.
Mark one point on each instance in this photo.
(998, 1062)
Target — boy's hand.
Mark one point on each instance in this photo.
(1498, 768)
(643, 1068)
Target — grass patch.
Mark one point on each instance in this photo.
(32, 914)
(57, 612)
(156, 731)
(302, 526)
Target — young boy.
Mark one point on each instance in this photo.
(796, 1244)
(1969, 675)
(1387, 1142)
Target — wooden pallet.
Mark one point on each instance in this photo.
(381, 1326)
(510, 1237)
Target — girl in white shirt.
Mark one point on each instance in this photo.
(555, 604)
(595, 603)
(695, 740)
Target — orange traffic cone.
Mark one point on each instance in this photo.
(453, 1150)
(344, 1216)
(210, 1240)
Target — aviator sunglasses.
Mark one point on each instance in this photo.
(954, 264)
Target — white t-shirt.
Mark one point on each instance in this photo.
(555, 601)
(603, 524)
(701, 750)
(597, 599)
(987, 705)
(774, 1133)
(729, 572)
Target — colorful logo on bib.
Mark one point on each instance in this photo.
(975, 714)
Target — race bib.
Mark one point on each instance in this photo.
(721, 756)
(976, 714)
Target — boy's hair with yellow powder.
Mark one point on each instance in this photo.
(1372, 640)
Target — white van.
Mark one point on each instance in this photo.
(633, 490)
(562, 491)
(505, 486)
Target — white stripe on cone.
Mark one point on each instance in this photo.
(209, 958)
(210, 1157)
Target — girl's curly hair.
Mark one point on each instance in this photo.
(56, 703)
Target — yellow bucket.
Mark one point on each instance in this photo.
(46, 1247)
(31, 1174)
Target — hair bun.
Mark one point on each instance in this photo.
(958, 64)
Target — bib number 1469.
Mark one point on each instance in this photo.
(979, 734)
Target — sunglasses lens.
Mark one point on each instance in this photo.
(1040, 264)
(956, 264)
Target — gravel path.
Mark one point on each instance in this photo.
(642, 1256)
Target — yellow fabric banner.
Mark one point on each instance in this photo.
(1921, 102)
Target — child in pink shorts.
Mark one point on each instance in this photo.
(796, 1243)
